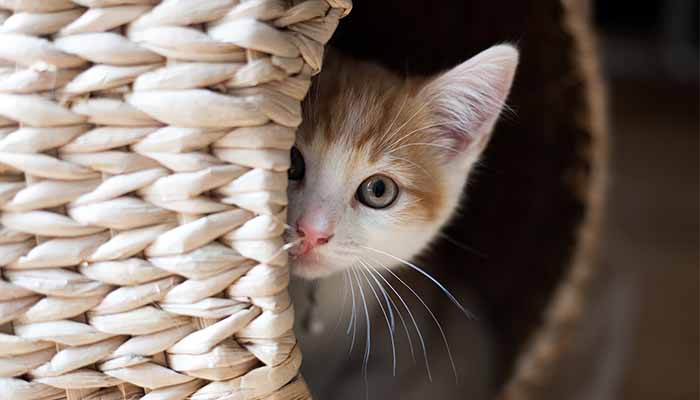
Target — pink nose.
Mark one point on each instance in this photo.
(312, 236)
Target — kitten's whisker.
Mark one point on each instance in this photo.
(402, 138)
(427, 275)
(413, 319)
(390, 316)
(462, 245)
(345, 300)
(386, 299)
(410, 119)
(353, 318)
(415, 165)
(442, 331)
(291, 244)
(368, 345)
(386, 317)
(285, 247)
(372, 271)
(441, 146)
(396, 117)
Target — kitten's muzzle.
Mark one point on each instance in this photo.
(312, 235)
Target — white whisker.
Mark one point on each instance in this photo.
(368, 323)
(441, 146)
(462, 245)
(353, 318)
(442, 331)
(390, 304)
(291, 244)
(389, 325)
(421, 129)
(415, 165)
(409, 120)
(391, 125)
(427, 275)
(345, 300)
(372, 271)
(415, 324)
(392, 321)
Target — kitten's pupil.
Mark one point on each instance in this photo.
(297, 167)
(377, 191)
(378, 188)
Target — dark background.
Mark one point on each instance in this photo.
(650, 57)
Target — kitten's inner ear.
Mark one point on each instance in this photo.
(467, 100)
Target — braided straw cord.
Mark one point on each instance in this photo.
(143, 155)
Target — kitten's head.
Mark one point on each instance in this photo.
(380, 162)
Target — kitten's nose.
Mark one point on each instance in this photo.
(313, 235)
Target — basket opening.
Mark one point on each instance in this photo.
(527, 202)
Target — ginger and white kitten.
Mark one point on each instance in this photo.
(381, 162)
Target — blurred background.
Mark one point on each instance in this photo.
(650, 59)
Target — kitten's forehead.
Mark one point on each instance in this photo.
(334, 163)
(363, 107)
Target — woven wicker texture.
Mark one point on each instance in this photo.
(143, 155)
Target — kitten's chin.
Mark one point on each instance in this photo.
(308, 269)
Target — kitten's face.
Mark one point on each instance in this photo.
(380, 163)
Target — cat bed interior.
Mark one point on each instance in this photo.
(534, 207)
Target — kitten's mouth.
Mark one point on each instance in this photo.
(310, 264)
(305, 265)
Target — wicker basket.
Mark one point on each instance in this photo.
(143, 155)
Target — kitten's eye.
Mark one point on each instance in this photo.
(297, 167)
(377, 191)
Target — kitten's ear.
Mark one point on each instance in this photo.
(468, 99)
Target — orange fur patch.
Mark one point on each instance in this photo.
(381, 118)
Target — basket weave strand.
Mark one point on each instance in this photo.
(143, 154)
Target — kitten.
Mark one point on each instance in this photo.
(380, 162)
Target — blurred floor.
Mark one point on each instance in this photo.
(651, 234)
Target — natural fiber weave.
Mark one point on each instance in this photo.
(143, 155)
